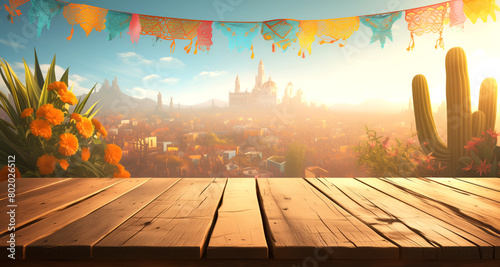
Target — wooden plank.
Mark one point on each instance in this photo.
(25, 185)
(238, 231)
(411, 245)
(174, 226)
(491, 183)
(59, 219)
(464, 187)
(38, 203)
(303, 223)
(74, 241)
(447, 219)
(450, 244)
(469, 207)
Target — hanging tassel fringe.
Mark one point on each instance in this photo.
(188, 47)
(274, 48)
(251, 47)
(196, 47)
(71, 35)
(172, 47)
(412, 43)
(440, 41)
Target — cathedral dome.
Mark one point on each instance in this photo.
(270, 87)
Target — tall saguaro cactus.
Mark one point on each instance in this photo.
(459, 117)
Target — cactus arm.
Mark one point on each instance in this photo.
(426, 128)
(458, 106)
(478, 123)
(488, 102)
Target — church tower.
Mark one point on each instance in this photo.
(171, 103)
(237, 84)
(159, 104)
(260, 79)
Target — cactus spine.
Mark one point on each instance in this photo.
(460, 121)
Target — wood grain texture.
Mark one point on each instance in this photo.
(304, 223)
(59, 219)
(461, 239)
(238, 231)
(491, 183)
(25, 185)
(411, 245)
(468, 188)
(38, 203)
(175, 226)
(74, 241)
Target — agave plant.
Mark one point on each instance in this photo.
(47, 131)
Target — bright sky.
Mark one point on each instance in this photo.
(356, 72)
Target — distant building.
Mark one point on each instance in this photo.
(159, 104)
(229, 154)
(264, 93)
(276, 165)
(191, 137)
(171, 103)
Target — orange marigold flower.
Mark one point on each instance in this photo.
(5, 171)
(41, 128)
(97, 124)
(57, 86)
(103, 132)
(53, 115)
(67, 97)
(112, 154)
(26, 113)
(76, 117)
(122, 173)
(64, 164)
(85, 127)
(85, 154)
(68, 144)
(46, 164)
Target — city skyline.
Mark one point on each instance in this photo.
(366, 70)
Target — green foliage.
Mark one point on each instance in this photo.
(482, 156)
(402, 159)
(294, 166)
(17, 139)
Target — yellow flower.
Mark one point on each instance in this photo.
(85, 127)
(53, 115)
(57, 86)
(67, 96)
(26, 113)
(64, 164)
(76, 117)
(85, 154)
(41, 128)
(46, 164)
(68, 144)
(122, 173)
(112, 154)
(4, 173)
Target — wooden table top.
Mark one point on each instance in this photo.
(267, 221)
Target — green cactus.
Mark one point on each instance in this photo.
(478, 123)
(459, 117)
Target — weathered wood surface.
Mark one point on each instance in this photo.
(324, 221)
(302, 223)
(464, 187)
(74, 241)
(491, 183)
(239, 231)
(56, 221)
(340, 190)
(465, 238)
(25, 185)
(38, 203)
(175, 226)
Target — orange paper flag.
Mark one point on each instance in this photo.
(89, 17)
